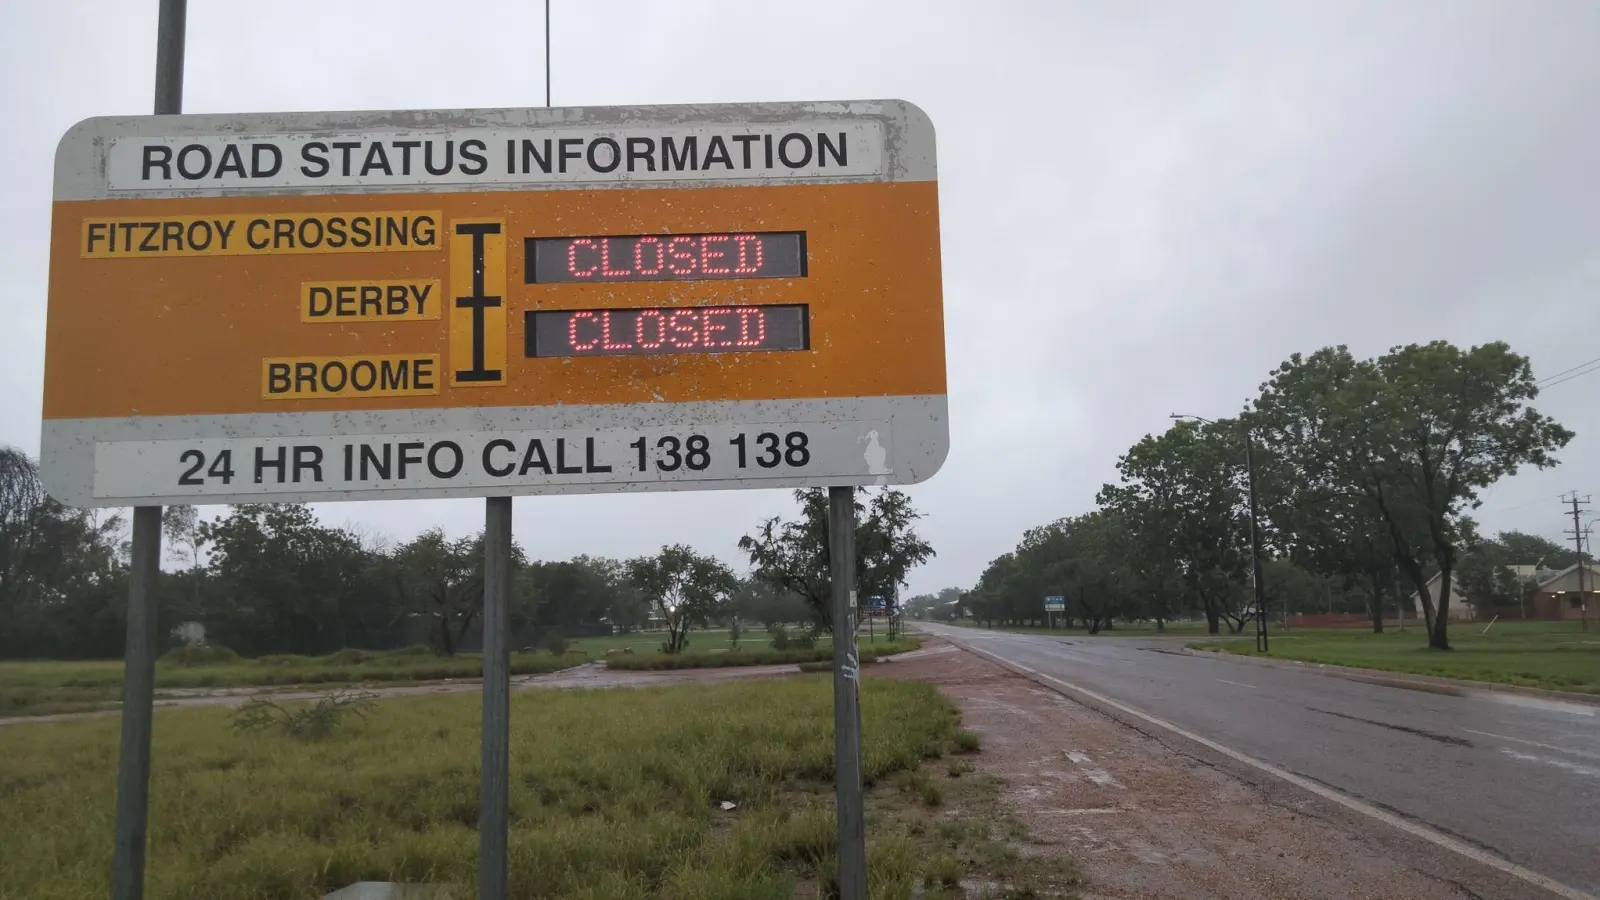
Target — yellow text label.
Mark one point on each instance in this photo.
(340, 377)
(397, 300)
(243, 234)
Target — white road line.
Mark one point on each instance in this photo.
(1550, 747)
(1239, 683)
(1558, 763)
(1560, 706)
(1412, 828)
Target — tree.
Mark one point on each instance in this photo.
(63, 584)
(443, 580)
(687, 588)
(757, 600)
(1323, 523)
(1182, 503)
(1522, 549)
(795, 555)
(1416, 433)
(22, 552)
(288, 583)
(180, 525)
(578, 593)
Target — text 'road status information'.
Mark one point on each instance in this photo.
(318, 306)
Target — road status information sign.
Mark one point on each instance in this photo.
(344, 306)
(1055, 604)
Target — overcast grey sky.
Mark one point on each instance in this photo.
(1196, 190)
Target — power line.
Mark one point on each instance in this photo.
(1554, 375)
(1506, 509)
(1572, 376)
(1565, 375)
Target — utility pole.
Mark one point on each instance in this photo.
(1255, 546)
(1577, 539)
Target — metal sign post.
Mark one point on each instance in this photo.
(850, 805)
(495, 775)
(139, 655)
(336, 306)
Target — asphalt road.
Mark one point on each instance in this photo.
(1516, 776)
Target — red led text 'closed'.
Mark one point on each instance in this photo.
(712, 328)
(665, 257)
(711, 254)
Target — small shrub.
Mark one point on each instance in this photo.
(347, 657)
(734, 632)
(282, 659)
(959, 767)
(307, 723)
(415, 650)
(944, 871)
(966, 742)
(206, 655)
(780, 636)
(806, 641)
(556, 643)
(917, 783)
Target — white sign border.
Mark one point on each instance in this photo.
(82, 165)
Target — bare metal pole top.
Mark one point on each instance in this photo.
(169, 57)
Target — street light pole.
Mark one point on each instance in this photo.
(1255, 534)
(1255, 546)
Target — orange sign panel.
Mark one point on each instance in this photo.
(603, 291)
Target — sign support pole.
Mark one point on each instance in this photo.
(138, 707)
(139, 666)
(495, 778)
(846, 696)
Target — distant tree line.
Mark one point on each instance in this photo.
(1365, 472)
(272, 578)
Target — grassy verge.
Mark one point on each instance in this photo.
(1549, 655)
(39, 688)
(651, 641)
(615, 795)
(759, 655)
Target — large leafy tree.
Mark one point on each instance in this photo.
(442, 580)
(1521, 549)
(1324, 523)
(1181, 501)
(794, 554)
(63, 581)
(1412, 436)
(288, 583)
(757, 600)
(688, 589)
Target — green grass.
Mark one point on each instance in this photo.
(614, 796)
(41, 687)
(1549, 655)
(651, 641)
(762, 654)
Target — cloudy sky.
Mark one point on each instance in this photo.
(1200, 189)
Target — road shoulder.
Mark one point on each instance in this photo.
(1149, 816)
